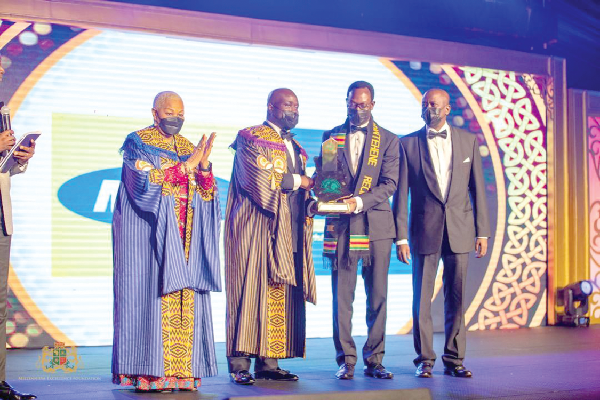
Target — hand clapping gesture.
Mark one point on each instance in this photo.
(201, 154)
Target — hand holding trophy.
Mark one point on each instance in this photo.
(331, 181)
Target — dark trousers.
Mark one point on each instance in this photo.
(455, 272)
(343, 283)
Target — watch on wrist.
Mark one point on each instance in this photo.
(206, 169)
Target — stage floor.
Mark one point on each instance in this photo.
(538, 363)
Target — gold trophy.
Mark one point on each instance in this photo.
(332, 183)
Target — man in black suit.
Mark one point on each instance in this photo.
(441, 167)
(365, 234)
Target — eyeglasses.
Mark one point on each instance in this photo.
(360, 106)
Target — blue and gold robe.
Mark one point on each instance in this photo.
(163, 275)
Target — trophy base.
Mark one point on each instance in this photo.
(333, 207)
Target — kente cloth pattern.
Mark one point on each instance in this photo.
(166, 262)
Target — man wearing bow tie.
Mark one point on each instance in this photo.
(269, 270)
(441, 167)
(365, 234)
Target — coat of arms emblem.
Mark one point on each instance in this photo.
(59, 357)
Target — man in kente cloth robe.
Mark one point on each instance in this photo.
(165, 230)
(269, 271)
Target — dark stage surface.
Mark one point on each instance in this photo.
(539, 363)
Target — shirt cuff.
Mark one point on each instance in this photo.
(359, 205)
(22, 167)
(482, 237)
(401, 241)
(297, 181)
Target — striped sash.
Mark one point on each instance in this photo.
(347, 247)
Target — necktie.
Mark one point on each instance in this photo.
(431, 134)
(287, 135)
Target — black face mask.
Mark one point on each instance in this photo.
(171, 125)
(288, 119)
(432, 116)
(359, 117)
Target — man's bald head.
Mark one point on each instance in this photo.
(278, 94)
(437, 93)
(280, 102)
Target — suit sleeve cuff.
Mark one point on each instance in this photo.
(401, 241)
(359, 205)
(287, 181)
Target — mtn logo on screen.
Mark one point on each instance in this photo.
(93, 195)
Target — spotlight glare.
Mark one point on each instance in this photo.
(586, 287)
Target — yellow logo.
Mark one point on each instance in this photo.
(59, 357)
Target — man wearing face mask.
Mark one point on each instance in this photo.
(440, 166)
(165, 231)
(269, 271)
(364, 235)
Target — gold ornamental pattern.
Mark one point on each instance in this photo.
(519, 128)
(593, 133)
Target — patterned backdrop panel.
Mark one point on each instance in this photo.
(86, 89)
(593, 136)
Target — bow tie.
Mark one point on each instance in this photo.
(287, 135)
(431, 134)
(354, 128)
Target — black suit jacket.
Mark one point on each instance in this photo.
(376, 203)
(463, 212)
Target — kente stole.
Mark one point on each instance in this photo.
(347, 253)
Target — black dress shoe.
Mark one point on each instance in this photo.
(276, 375)
(458, 371)
(242, 377)
(423, 370)
(7, 392)
(378, 371)
(345, 372)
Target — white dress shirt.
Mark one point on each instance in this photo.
(440, 150)
(356, 141)
(290, 148)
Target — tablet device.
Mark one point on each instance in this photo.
(10, 160)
